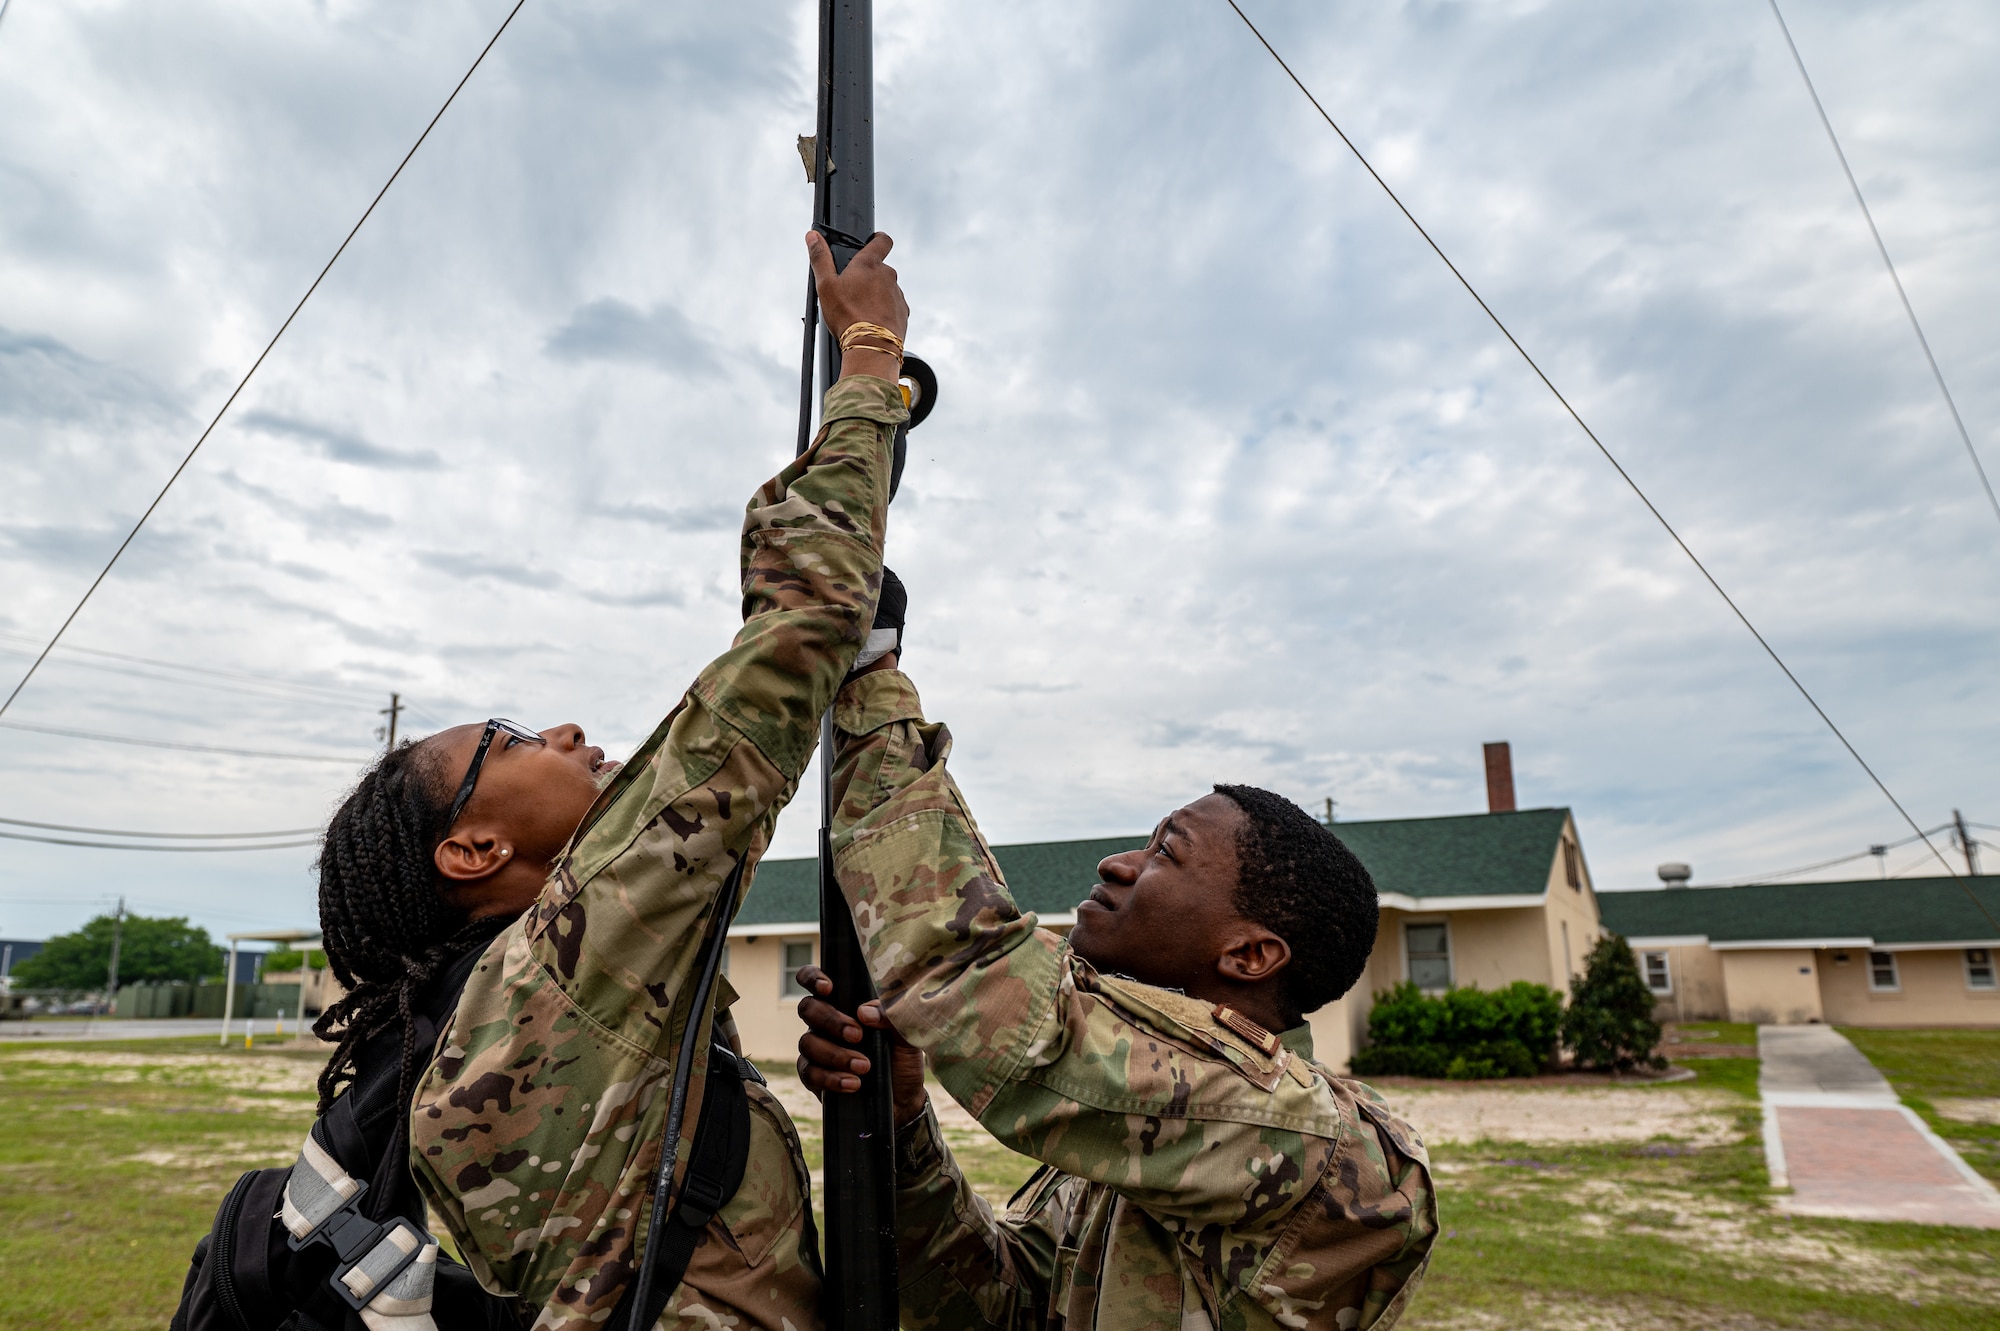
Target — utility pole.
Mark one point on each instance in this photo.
(117, 937)
(1965, 844)
(392, 711)
(1330, 802)
(860, 1130)
(1881, 854)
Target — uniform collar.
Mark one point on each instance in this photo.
(1299, 1039)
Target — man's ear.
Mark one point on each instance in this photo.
(1254, 957)
(467, 857)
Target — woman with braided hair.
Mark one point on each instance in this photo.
(387, 930)
(536, 1127)
(519, 924)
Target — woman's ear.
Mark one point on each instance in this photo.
(1254, 957)
(469, 857)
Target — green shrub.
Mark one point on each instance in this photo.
(290, 959)
(1466, 1034)
(1610, 1023)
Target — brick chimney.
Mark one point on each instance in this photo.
(1499, 778)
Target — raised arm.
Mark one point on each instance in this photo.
(1107, 1080)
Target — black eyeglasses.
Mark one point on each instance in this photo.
(495, 726)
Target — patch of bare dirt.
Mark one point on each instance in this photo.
(1735, 1235)
(1587, 1315)
(269, 1075)
(1467, 1112)
(1985, 1109)
(246, 1155)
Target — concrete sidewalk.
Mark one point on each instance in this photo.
(131, 1028)
(1835, 1133)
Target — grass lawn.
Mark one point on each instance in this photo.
(115, 1155)
(113, 1159)
(1719, 1032)
(1944, 1075)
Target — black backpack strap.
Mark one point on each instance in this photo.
(721, 1152)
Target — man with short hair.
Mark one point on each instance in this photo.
(1201, 1171)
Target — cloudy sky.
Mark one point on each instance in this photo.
(1229, 479)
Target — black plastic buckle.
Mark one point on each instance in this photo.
(349, 1262)
(347, 1211)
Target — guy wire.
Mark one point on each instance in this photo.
(1882, 249)
(245, 380)
(1615, 464)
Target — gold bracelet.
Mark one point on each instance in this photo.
(857, 330)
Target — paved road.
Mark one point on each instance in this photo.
(111, 1028)
(1836, 1134)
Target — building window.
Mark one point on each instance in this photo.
(1429, 950)
(1979, 968)
(1659, 978)
(1570, 867)
(1882, 977)
(796, 955)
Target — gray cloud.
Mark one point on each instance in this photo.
(338, 445)
(612, 330)
(42, 380)
(482, 566)
(328, 515)
(1229, 478)
(692, 518)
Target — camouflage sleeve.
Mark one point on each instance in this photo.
(957, 1264)
(995, 1001)
(536, 1127)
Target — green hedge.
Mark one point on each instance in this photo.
(1467, 1034)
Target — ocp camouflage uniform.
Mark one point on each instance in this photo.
(537, 1128)
(1199, 1174)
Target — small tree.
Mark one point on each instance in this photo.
(1609, 1024)
(150, 949)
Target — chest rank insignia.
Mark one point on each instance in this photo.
(1248, 1029)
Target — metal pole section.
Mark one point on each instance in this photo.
(860, 1129)
(228, 994)
(117, 937)
(1965, 844)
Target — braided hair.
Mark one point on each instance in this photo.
(387, 928)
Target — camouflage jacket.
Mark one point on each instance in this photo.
(1201, 1175)
(536, 1128)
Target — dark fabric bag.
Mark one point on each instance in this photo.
(244, 1275)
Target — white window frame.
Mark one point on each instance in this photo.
(1666, 971)
(1989, 965)
(1450, 952)
(1895, 985)
(788, 984)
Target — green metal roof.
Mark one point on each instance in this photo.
(1470, 855)
(1482, 854)
(1895, 910)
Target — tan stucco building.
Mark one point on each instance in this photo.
(1867, 952)
(1481, 899)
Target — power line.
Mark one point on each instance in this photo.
(1823, 864)
(167, 836)
(245, 380)
(1887, 262)
(237, 689)
(331, 692)
(121, 845)
(349, 760)
(1608, 457)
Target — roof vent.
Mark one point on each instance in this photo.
(1675, 875)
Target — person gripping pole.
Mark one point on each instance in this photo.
(537, 1122)
(1200, 1169)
